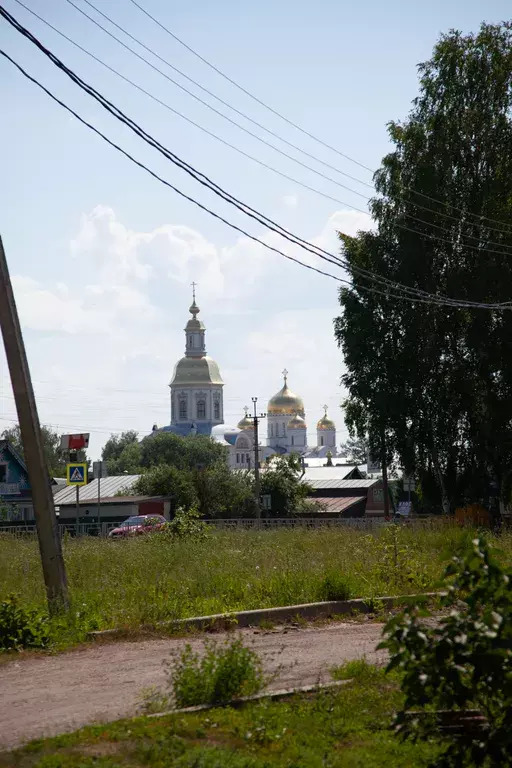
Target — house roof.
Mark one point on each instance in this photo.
(6, 444)
(327, 473)
(338, 504)
(339, 483)
(133, 499)
(109, 487)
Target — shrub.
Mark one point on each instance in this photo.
(187, 523)
(21, 627)
(358, 670)
(224, 672)
(334, 587)
(462, 662)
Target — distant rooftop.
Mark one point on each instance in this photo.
(110, 486)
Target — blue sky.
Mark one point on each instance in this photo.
(102, 255)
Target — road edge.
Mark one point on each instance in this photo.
(254, 618)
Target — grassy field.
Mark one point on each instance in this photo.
(129, 583)
(348, 727)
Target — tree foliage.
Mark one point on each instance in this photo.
(219, 492)
(165, 480)
(430, 384)
(462, 661)
(55, 457)
(197, 451)
(122, 453)
(355, 449)
(282, 481)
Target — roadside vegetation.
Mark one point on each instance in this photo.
(457, 666)
(349, 726)
(158, 578)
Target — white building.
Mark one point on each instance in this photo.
(196, 386)
(197, 407)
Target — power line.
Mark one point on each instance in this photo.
(296, 241)
(163, 181)
(258, 138)
(218, 190)
(303, 130)
(247, 93)
(188, 119)
(435, 299)
(210, 93)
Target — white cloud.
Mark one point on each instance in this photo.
(102, 342)
(290, 201)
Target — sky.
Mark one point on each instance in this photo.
(102, 255)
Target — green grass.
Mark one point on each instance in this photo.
(347, 727)
(148, 580)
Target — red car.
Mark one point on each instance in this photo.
(137, 525)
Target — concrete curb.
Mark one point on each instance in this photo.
(254, 618)
(283, 693)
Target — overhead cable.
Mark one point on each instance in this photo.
(394, 286)
(303, 130)
(269, 144)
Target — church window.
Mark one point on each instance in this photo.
(238, 458)
(321, 439)
(284, 429)
(293, 440)
(183, 409)
(272, 430)
(216, 410)
(247, 458)
(191, 341)
(201, 409)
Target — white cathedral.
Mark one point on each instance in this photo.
(197, 408)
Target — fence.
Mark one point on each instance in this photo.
(359, 523)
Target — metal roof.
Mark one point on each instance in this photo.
(337, 504)
(110, 486)
(327, 473)
(105, 500)
(338, 483)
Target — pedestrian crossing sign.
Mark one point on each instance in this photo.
(76, 474)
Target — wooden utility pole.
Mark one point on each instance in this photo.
(257, 484)
(385, 486)
(46, 522)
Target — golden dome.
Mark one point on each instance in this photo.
(196, 370)
(285, 402)
(297, 423)
(326, 423)
(246, 422)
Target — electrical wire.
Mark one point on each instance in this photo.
(299, 128)
(435, 298)
(212, 94)
(297, 241)
(258, 138)
(247, 93)
(205, 103)
(233, 147)
(188, 119)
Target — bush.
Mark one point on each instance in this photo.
(224, 672)
(462, 662)
(187, 523)
(334, 587)
(21, 627)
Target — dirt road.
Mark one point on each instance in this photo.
(47, 695)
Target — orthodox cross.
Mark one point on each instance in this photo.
(285, 374)
(246, 410)
(325, 409)
(193, 290)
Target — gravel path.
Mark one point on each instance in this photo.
(48, 695)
